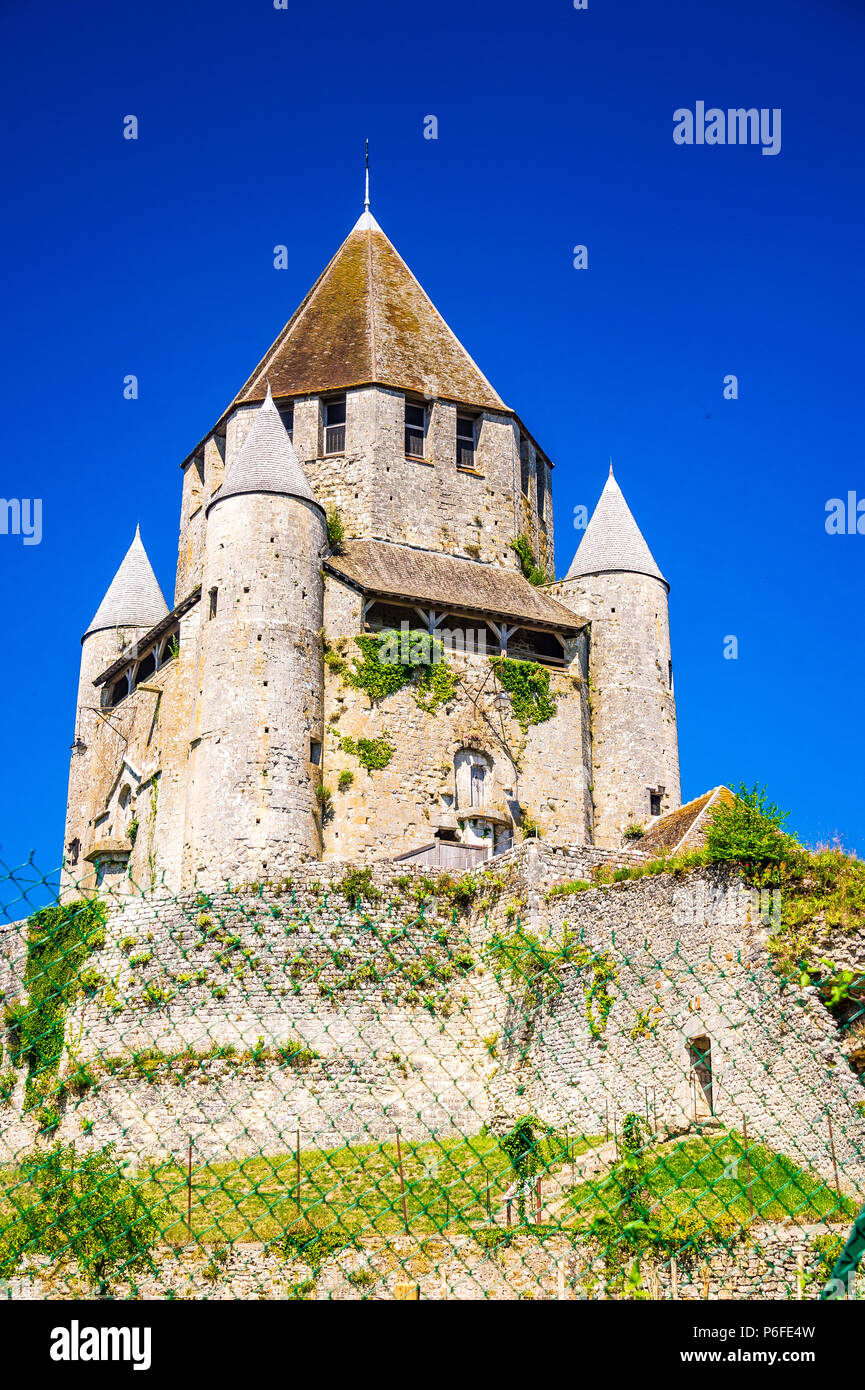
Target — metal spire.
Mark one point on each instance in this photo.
(366, 193)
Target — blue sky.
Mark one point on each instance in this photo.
(155, 257)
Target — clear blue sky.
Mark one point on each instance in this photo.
(155, 257)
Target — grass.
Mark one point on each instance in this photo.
(691, 1177)
(353, 1190)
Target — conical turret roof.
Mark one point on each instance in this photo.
(134, 598)
(367, 320)
(266, 461)
(613, 542)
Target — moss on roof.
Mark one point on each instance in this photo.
(683, 828)
(367, 319)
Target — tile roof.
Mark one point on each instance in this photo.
(683, 828)
(612, 541)
(134, 598)
(266, 461)
(444, 581)
(366, 319)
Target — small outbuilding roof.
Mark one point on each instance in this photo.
(684, 828)
(134, 598)
(448, 582)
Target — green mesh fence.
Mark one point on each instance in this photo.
(375, 1084)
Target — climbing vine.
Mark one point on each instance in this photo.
(528, 685)
(533, 573)
(59, 941)
(533, 971)
(382, 671)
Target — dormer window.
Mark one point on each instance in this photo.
(415, 430)
(286, 415)
(334, 425)
(466, 441)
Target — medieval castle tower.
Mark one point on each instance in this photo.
(258, 720)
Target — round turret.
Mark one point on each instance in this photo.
(615, 582)
(252, 803)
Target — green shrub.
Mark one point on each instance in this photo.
(748, 831)
(335, 531)
(83, 1207)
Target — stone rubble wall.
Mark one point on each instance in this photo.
(780, 1263)
(447, 1054)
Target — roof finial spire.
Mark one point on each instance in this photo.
(366, 190)
(611, 465)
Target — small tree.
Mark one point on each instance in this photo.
(521, 1145)
(335, 531)
(87, 1209)
(748, 830)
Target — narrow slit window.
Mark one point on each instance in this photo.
(654, 803)
(525, 467)
(214, 598)
(541, 471)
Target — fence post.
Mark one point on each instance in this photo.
(834, 1159)
(747, 1164)
(674, 1278)
(189, 1190)
(401, 1182)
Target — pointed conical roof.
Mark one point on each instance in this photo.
(612, 541)
(266, 461)
(134, 598)
(366, 319)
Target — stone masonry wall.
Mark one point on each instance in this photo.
(542, 770)
(414, 1026)
(690, 961)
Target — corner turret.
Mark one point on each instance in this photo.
(133, 604)
(615, 581)
(252, 803)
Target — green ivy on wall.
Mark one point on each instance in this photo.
(372, 753)
(532, 572)
(528, 685)
(434, 681)
(59, 941)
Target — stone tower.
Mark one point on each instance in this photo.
(132, 606)
(615, 582)
(256, 734)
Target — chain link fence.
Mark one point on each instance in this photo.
(374, 1084)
